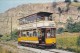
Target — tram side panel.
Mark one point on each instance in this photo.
(28, 39)
(50, 40)
(35, 40)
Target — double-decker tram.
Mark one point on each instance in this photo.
(37, 30)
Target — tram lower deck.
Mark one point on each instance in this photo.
(40, 37)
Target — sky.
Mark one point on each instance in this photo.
(7, 4)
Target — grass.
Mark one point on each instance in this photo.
(9, 44)
(75, 4)
(7, 48)
(69, 41)
(4, 50)
(66, 41)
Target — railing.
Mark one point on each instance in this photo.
(38, 24)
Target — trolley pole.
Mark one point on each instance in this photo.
(11, 27)
(36, 24)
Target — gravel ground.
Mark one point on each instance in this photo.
(13, 47)
(25, 51)
(10, 47)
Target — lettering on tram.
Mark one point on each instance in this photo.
(37, 30)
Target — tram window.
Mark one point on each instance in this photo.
(51, 33)
(50, 18)
(43, 18)
(38, 19)
(38, 34)
(20, 22)
(48, 33)
(46, 18)
(26, 21)
(19, 34)
(34, 33)
(27, 33)
(23, 33)
(31, 33)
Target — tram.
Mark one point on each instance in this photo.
(37, 30)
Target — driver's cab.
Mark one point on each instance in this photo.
(47, 27)
(47, 36)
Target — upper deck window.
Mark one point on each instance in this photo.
(36, 17)
(50, 18)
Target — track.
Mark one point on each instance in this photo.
(58, 51)
(44, 50)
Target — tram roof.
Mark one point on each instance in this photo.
(44, 13)
(38, 14)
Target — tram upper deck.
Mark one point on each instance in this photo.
(40, 19)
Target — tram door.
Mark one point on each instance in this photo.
(43, 34)
(42, 38)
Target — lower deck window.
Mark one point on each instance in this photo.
(51, 33)
(23, 34)
(34, 33)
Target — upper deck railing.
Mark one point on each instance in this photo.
(41, 19)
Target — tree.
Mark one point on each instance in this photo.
(78, 9)
(68, 4)
(60, 30)
(75, 0)
(68, 1)
(1, 35)
(72, 26)
(54, 4)
(14, 34)
(67, 9)
(77, 27)
(78, 12)
(60, 12)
